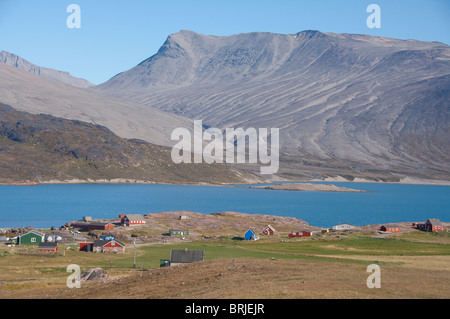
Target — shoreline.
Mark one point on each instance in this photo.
(244, 217)
(308, 187)
(404, 181)
(126, 181)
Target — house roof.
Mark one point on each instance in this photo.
(134, 217)
(87, 224)
(434, 221)
(187, 256)
(48, 245)
(36, 232)
(99, 224)
(101, 242)
(250, 230)
(269, 226)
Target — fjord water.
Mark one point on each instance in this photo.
(44, 206)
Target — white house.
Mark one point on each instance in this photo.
(343, 227)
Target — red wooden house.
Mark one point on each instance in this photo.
(302, 233)
(109, 246)
(268, 230)
(86, 247)
(48, 247)
(434, 225)
(104, 246)
(132, 220)
(390, 228)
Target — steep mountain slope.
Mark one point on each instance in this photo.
(345, 104)
(39, 148)
(31, 93)
(22, 64)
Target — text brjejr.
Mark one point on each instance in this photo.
(235, 146)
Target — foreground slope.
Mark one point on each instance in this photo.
(43, 148)
(346, 104)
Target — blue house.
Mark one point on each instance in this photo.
(250, 235)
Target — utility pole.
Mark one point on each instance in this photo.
(134, 261)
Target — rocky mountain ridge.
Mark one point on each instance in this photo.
(42, 148)
(346, 104)
(60, 76)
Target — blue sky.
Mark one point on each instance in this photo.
(117, 35)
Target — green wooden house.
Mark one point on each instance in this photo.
(178, 232)
(33, 237)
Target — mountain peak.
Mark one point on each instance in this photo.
(189, 33)
(188, 56)
(311, 34)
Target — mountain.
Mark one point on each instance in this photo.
(31, 93)
(345, 104)
(40, 148)
(22, 64)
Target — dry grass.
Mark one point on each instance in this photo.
(260, 279)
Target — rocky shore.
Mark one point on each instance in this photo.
(305, 187)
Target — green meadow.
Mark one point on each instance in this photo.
(24, 269)
(322, 249)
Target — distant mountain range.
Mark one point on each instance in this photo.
(345, 104)
(31, 93)
(60, 76)
(43, 148)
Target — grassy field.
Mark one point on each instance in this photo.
(325, 262)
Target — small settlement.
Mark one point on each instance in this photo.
(99, 244)
(106, 236)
